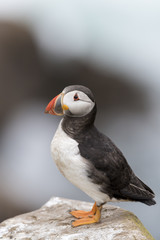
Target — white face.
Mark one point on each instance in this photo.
(78, 102)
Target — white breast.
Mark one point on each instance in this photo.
(73, 166)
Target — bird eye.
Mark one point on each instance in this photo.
(76, 98)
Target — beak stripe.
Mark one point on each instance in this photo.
(54, 107)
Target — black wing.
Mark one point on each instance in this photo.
(109, 168)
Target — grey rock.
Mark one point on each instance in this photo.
(53, 221)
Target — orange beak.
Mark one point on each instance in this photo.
(56, 106)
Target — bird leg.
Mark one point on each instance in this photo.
(92, 216)
(83, 214)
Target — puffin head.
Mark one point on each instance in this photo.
(74, 101)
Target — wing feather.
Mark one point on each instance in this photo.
(109, 168)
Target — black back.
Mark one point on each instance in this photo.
(107, 166)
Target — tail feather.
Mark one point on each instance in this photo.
(149, 202)
(138, 191)
(146, 187)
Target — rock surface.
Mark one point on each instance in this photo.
(53, 221)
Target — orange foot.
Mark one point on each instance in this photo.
(84, 214)
(92, 216)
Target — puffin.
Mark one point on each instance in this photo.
(88, 158)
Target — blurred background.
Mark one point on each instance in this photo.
(112, 47)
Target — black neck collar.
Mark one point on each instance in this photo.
(76, 126)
